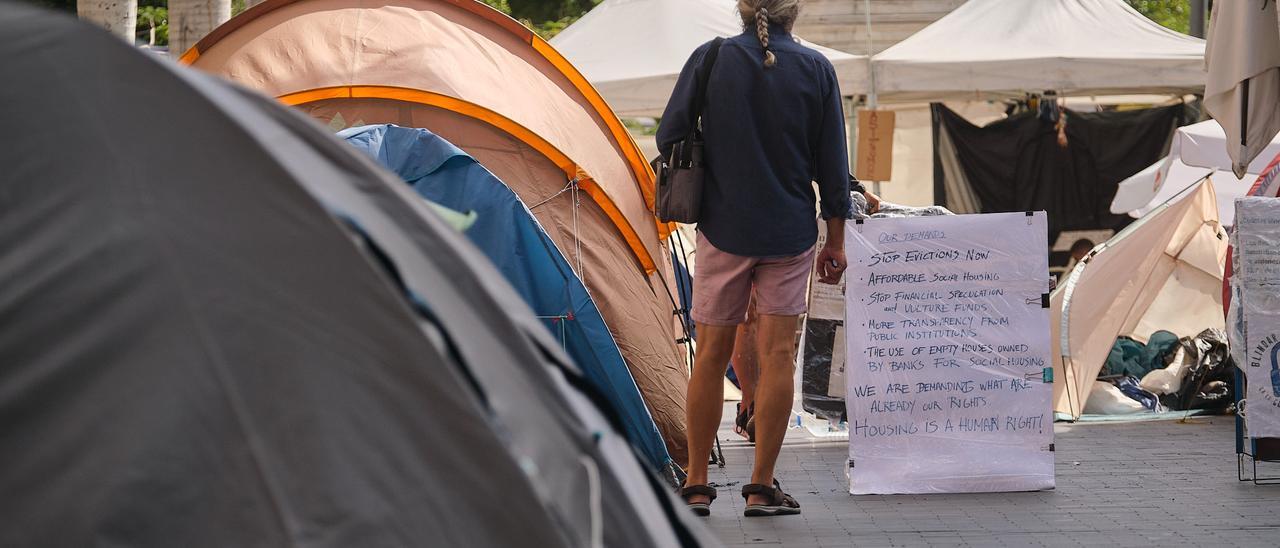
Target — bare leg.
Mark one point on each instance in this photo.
(777, 339)
(705, 399)
(746, 357)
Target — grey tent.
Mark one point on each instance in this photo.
(219, 326)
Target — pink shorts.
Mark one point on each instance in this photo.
(723, 282)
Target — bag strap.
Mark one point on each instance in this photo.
(703, 76)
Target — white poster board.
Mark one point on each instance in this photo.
(1258, 238)
(948, 347)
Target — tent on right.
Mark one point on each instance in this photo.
(1162, 273)
(1268, 183)
(1197, 150)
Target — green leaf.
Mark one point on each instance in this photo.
(1171, 14)
(500, 5)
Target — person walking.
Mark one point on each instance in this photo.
(773, 125)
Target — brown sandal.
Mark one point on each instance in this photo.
(780, 504)
(745, 423)
(699, 508)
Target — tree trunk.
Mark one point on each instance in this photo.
(120, 17)
(191, 20)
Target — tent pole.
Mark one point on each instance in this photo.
(1197, 18)
(871, 76)
(717, 454)
(1244, 113)
(871, 73)
(851, 131)
(1071, 405)
(1179, 193)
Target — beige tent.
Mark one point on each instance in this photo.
(493, 88)
(1163, 272)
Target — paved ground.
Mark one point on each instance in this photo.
(1163, 483)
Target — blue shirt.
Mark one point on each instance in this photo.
(770, 133)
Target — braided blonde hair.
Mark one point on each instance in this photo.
(758, 14)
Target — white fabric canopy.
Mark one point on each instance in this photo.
(1243, 85)
(1003, 48)
(1198, 150)
(633, 50)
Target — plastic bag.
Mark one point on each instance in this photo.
(1208, 382)
(1106, 399)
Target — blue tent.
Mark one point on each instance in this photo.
(508, 233)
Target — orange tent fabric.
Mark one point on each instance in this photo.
(491, 87)
(462, 55)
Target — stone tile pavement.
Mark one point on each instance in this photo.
(1167, 483)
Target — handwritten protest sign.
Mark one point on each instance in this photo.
(948, 346)
(1258, 236)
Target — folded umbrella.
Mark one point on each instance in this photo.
(1243, 62)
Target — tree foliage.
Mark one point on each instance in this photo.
(1172, 14)
(543, 11)
(156, 17)
(546, 17)
(500, 5)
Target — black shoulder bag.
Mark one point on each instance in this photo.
(681, 177)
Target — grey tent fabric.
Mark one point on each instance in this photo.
(222, 327)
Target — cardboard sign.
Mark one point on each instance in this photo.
(875, 145)
(1258, 238)
(822, 355)
(947, 352)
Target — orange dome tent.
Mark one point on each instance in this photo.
(492, 87)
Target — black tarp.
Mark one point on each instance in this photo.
(1017, 164)
(817, 355)
(221, 326)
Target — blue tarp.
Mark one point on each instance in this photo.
(508, 233)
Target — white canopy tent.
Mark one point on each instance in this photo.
(1197, 150)
(991, 49)
(633, 50)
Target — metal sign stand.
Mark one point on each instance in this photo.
(1250, 451)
